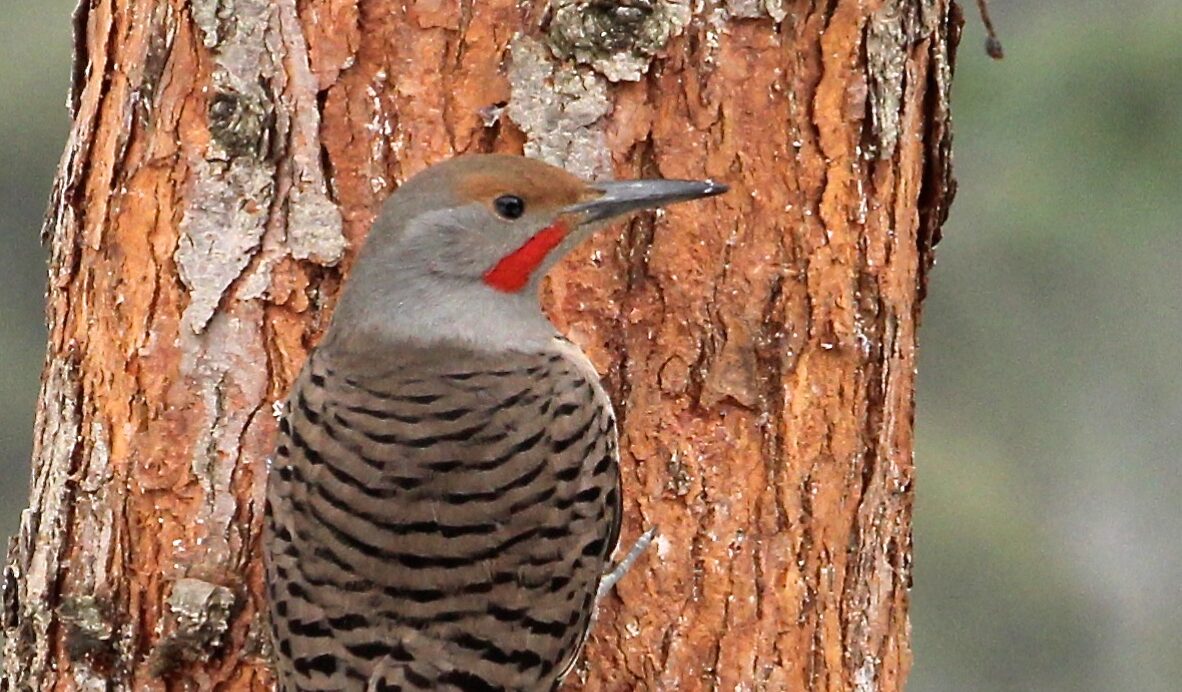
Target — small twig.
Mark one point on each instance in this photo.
(992, 42)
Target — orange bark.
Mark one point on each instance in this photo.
(223, 168)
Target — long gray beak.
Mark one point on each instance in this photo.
(622, 196)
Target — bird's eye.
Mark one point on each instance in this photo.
(509, 206)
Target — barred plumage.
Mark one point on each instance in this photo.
(443, 523)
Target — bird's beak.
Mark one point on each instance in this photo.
(623, 196)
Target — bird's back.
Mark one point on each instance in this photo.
(441, 521)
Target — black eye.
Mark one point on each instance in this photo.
(509, 206)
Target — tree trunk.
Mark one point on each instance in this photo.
(225, 161)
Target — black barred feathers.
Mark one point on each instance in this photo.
(442, 523)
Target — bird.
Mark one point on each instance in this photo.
(444, 497)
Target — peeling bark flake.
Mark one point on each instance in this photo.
(80, 61)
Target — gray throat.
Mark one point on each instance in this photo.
(386, 305)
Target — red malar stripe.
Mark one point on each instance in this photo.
(512, 273)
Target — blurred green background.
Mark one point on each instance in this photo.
(1048, 526)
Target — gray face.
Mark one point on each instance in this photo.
(460, 218)
(466, 242)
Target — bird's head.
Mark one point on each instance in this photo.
(503, 221)
(470, 238)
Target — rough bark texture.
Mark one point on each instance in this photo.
(226, 159)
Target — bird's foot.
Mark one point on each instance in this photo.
(609, 580)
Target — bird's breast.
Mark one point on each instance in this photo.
(463, 506)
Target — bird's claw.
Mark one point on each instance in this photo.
(617, 572)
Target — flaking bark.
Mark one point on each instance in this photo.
(224, 164)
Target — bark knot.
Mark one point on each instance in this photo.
(90, 632)
(198, 617)
(618, 39)
(240, 124)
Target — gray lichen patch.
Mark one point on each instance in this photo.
(888, 33)
(205, 16)
(314, 226)
(619, 38)
(228, 387)
(559, 108)
(220, 231)
(195, 624)
(754, 9)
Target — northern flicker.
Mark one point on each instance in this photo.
(445, 497)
